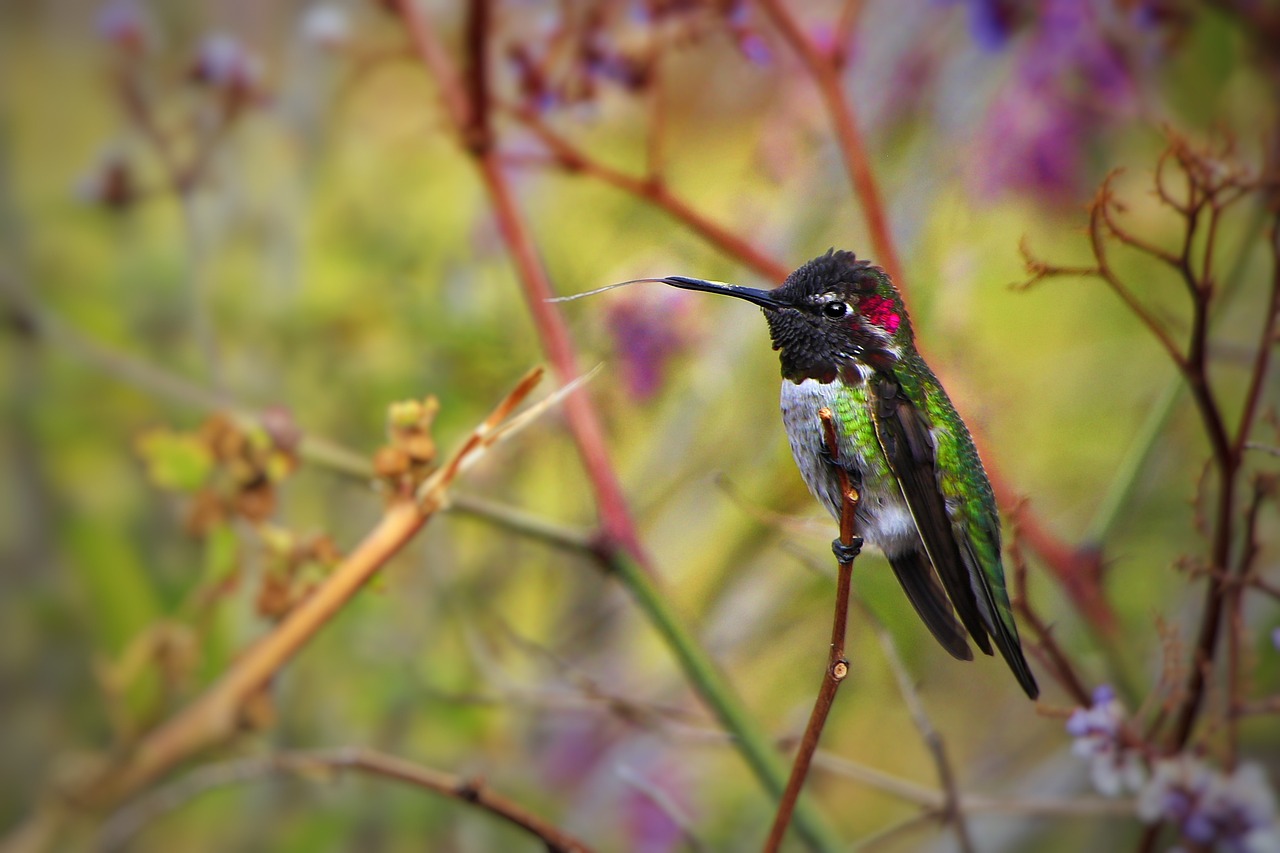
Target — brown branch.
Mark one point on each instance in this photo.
(1263, 488)
(129, 821)
(476, 130)
(825, 71)
(217, 713)
(1220, 549)
(652, 190)
(952, 812)
(617, 527)
(1097, 241)
(837, 666)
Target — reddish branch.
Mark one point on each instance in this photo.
(468, 108)
(837, 666)
(825, 71)
(653, 190)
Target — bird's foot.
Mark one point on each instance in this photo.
(846, 553)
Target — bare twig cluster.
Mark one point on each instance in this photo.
(1200, 187)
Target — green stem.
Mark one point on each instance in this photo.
(1131, 467)
(758, 751)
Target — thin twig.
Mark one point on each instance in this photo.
(952, 811)
(1228, 457)
(1266, 347)
(652, 190)
(837, 666)
(1097, 240)
(126, 823)
(583, 420)
(1250, 549)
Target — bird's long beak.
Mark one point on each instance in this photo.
(763, 298)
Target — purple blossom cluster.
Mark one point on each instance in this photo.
(647, 334)
(1234, 812)
(564, 61)
(1099, 736)
(593, 754)
(1070, 81)
(229, 74)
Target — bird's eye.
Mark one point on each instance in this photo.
(835, 310)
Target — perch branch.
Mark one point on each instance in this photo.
(837, 666)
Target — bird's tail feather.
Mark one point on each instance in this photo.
(920, 582)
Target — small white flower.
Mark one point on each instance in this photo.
(325, 25)
(1098, 731)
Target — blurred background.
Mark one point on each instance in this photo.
(240, 207)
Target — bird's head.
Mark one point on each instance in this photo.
(832, 314)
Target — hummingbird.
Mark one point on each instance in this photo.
(845, 343)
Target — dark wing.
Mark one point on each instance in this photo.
(904, 435)
(1003, 629)
(920, 582)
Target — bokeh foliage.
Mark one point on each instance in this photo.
(339, 254)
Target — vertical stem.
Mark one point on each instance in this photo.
(837, 666)
(584, 422)
(719, 696)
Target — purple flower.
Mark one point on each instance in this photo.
(647, 333)
(1070, 81)
(126, 25)
(326, 26)
(225, 65)
(1235, 811)
(646, 814)
(1099, 736)
(754, 47)
(992, 22)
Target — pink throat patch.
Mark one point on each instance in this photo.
(879, 311)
